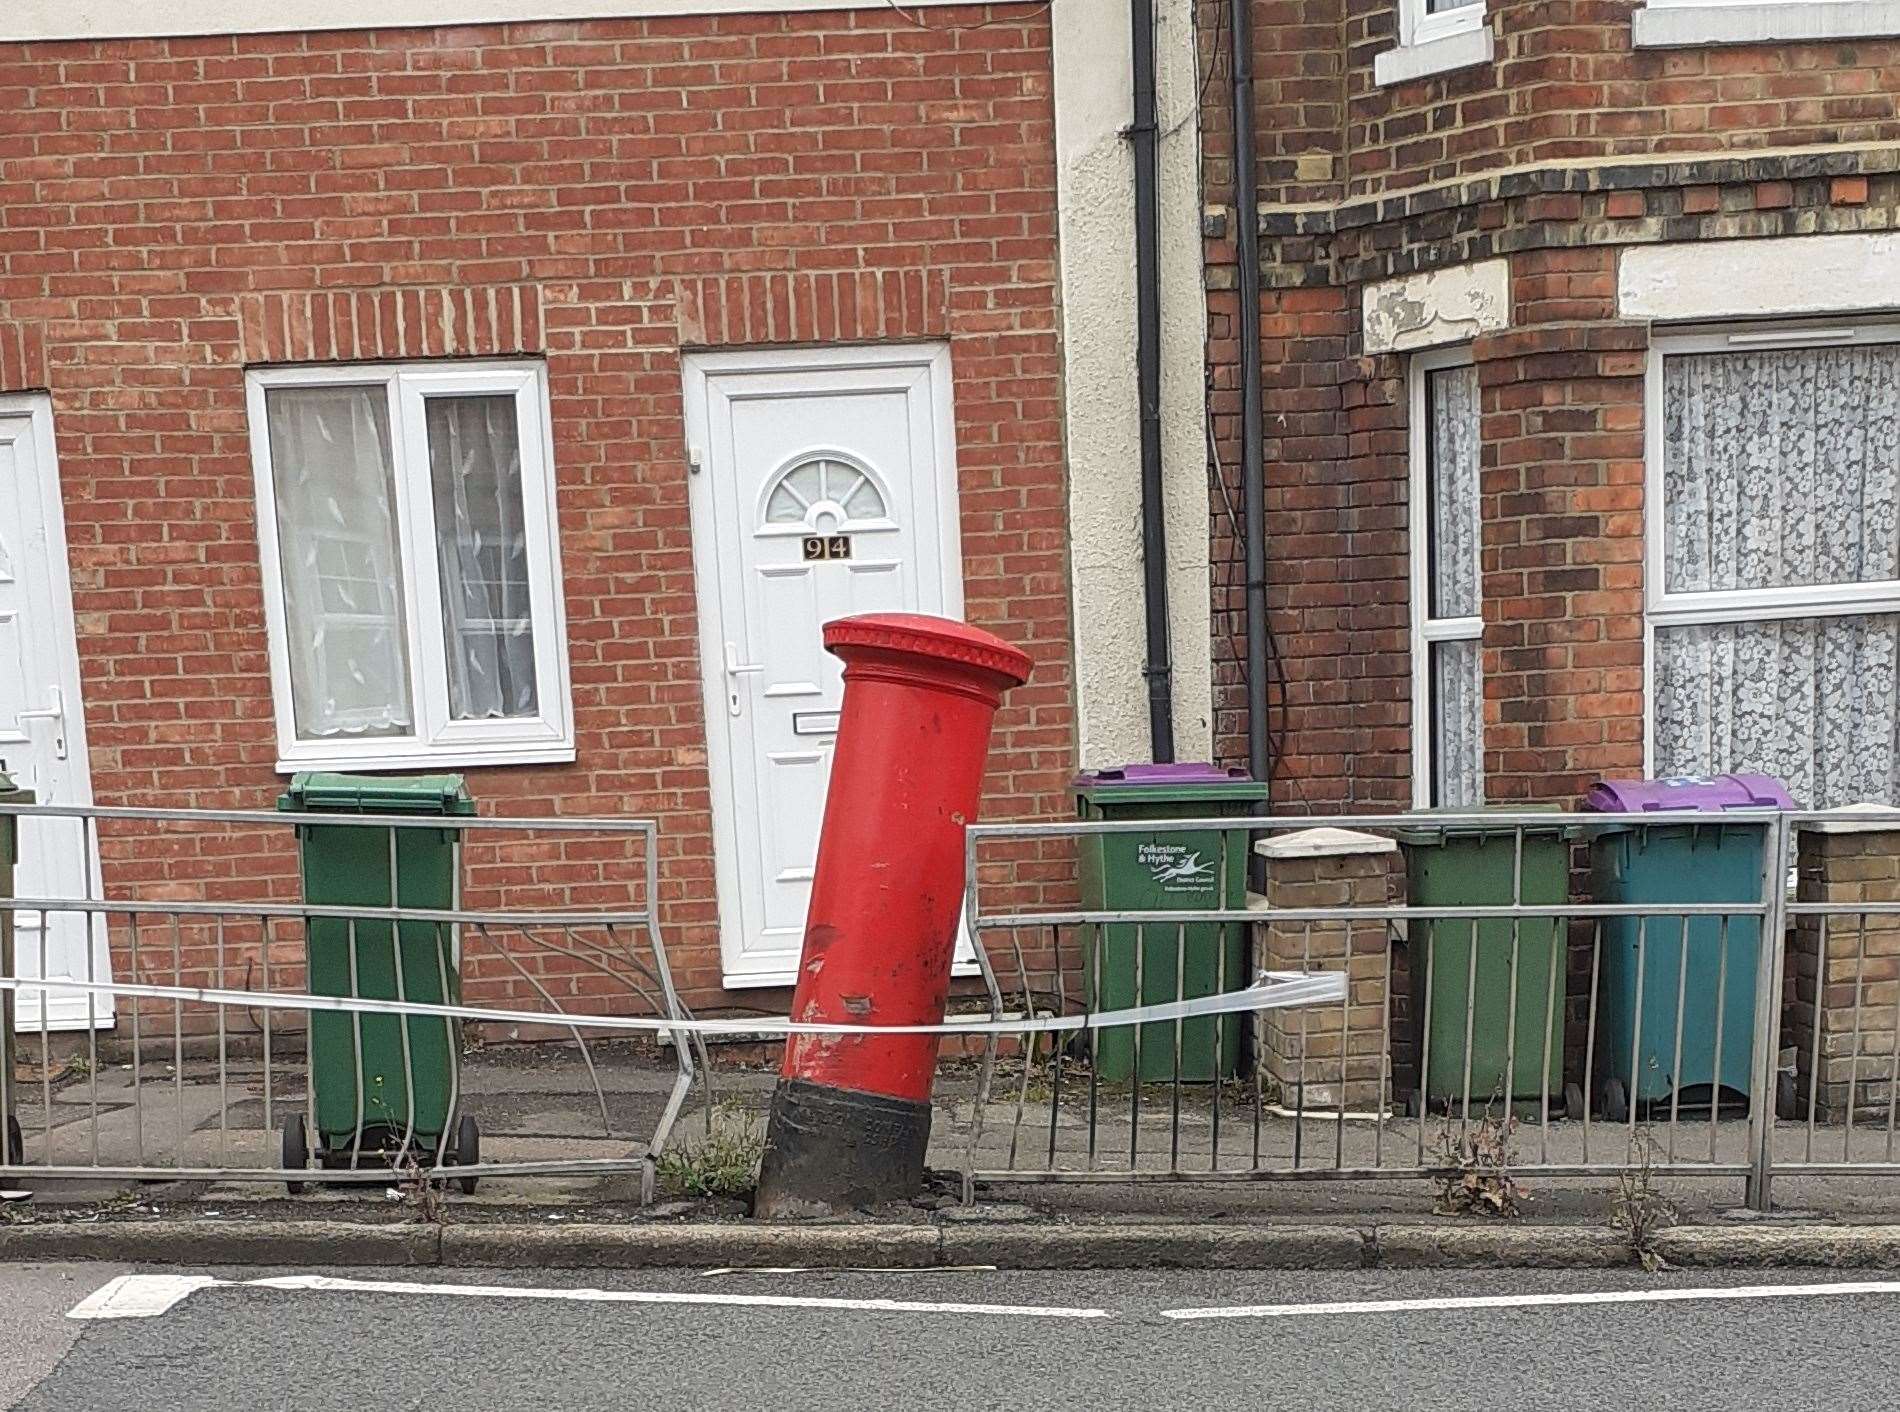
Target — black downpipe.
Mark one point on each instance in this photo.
(1252, 432)
(1158, 671)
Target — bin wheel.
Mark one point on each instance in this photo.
(1573, 1103)
(468, 1152)
(16, 1143)
(1616, 1101)
(1785, 1101)
(296, 1151)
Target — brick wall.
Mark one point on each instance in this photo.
(1535, 158)
(1560, 499)
(1841, 998)
(595, 194)
(1568, 85)
(1331, 1057)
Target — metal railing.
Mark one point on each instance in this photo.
(1749, 1038)
(211, 992)
(1835, 1038)
(1523, 1018)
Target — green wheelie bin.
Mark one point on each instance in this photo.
(1168, 870)
(381, 1085)
(1462, 971)
(10, 793)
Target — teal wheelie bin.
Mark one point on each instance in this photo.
(1656, 968)
(382, 1086)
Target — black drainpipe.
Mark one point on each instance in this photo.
(1158, 671)
(1252, 432)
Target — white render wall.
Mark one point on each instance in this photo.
(1095, 183)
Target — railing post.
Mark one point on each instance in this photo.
(1771, 959)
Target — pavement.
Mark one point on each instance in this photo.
(538, 1103)
(972, 1338)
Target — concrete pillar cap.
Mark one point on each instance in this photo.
(1323, 843)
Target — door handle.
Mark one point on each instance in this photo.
(56, 713)
(734, 670)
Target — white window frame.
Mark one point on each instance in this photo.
(1434, 44)
(1417, 25)
(1668, 24)
(438, 740)
(1425, 629)
(1664, 609)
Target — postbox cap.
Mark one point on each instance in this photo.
(943, 639)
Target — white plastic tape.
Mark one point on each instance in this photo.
(1274, 990)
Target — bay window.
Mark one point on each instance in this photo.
(1774, 558)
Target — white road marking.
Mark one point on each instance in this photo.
(627, 1296)
(847, 1270)
(1533, 1301)
(144, 1296)
(137, 1296)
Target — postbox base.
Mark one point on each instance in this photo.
(831, 1150)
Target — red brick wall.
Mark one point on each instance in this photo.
(1561, 502)
(595, 194)
(1568, 84)
(1359, 183)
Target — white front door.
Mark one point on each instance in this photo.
(824, 484)
(42, 732)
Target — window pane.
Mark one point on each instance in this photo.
(1451, 412)
(1458, 723)
(1781, 468)
(1436, 7)
(482, 553)
(332, 471)
(1810, 701)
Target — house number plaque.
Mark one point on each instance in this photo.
(827, 546)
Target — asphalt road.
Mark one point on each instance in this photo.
(244, 1347)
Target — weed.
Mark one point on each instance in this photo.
(1638, 1209)
(421, 1193)
(1474, 1161)
(725, 1162)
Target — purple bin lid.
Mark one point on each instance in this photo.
(1708, 794)
(1182, 772)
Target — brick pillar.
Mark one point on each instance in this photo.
(1842, 967)
(1301, 1049)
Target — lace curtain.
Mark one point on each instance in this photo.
(1457, 672)
(333, 473)
(482, 556)
(1782, 469)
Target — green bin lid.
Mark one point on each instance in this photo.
(1185, 783)
(319, 791)
(1421, 835)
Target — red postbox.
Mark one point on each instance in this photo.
(850, 1118)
